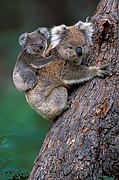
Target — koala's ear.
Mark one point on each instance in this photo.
(44, 31)
(58, 30)
(23, 39)
(86, 27)
(56, 33)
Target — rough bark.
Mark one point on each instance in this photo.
(83, 143)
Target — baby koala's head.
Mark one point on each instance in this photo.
(72, 42)
(34, 42)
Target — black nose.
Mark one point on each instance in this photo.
(78, 51)
(40, 45)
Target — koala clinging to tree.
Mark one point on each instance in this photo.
(31, 58)
(69, 45)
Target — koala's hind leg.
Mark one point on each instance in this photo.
(48, 106)
(54, 104)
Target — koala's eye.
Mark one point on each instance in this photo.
(70, 47)
(40, 46)
(78, 51)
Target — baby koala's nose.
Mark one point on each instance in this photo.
(78, 51)
(40, 45)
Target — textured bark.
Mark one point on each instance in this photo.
(83, 143)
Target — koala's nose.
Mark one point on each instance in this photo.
(40, 45)
(78, 51)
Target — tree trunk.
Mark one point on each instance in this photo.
(83, 143)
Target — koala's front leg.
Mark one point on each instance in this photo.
(24, 77)
(79, 74)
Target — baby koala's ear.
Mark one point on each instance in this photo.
(23, 39)
(44, 31)
(86, 27)
(56, 33)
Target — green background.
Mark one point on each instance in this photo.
(26, 127)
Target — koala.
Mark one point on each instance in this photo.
(69, 45)
(31, 58)
(72, 43)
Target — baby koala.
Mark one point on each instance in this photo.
(31, 58)
(69, 46)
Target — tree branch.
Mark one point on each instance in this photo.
(83, 142)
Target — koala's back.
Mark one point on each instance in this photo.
(48, 79)
(50, 74)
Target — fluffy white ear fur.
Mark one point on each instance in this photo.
(44, 31)
(56, 33)
(23, 39)
(86, 27)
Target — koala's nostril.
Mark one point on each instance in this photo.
(40, 45)
(78, 51)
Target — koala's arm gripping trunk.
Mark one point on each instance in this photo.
(83, 142)
(79, 74)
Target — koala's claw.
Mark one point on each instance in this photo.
(104, 66)
(103, 72)
(68, 105)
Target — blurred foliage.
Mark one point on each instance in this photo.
(7, 169)
(29, 130)
(16, 116)
(106, 178)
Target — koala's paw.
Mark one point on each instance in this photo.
(68, 104)
(102, 71)
(99, 71)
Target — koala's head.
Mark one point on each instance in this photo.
(34, 42)
(72, 42)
